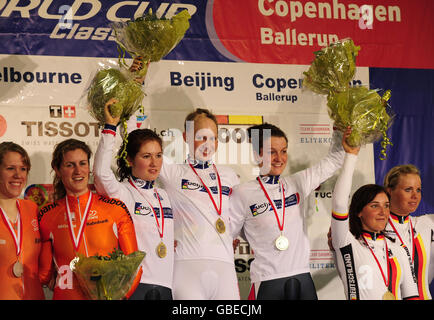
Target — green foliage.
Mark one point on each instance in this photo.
(150, 37)
(111, 83)
(364, 110)
(107, 277)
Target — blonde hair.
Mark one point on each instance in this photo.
(392, 177)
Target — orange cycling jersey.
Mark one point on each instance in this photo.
(27, 286)
(108, 226)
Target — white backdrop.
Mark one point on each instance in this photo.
(40, 106)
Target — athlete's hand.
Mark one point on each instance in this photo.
(136, 66)
(346, 146)
(109, 119)
(175, 243)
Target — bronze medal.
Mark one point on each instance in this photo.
(161, 250)
(220, 225)
(18, 269)
(389, 296)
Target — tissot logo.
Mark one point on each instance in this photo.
(58, 111)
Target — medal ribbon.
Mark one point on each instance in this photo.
(152, 208)
(400, 239)
(219, 210)
(76, 241)
(272, 203)
(386, 282)
(18, 239)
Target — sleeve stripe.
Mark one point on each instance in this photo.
(339, 216)
(109, 129)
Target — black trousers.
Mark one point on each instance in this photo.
(298, 287)
(146, 291)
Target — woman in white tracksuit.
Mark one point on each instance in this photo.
(371, 265)
(149, 206)
(199, 192)
(268, 212)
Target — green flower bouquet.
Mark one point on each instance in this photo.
(107, 277)
(368, 113)
(150, 37)
(112, 83)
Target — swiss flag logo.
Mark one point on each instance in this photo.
(69, 111)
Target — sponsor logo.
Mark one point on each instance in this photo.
(2, 241)
(93, 214)
(315, 133)
(188, 185)
(35, 224)
(65, 128)
(257, 209)
(3, 126)
(141, 209)
(37, 193)
(69, 111)
(96, 222)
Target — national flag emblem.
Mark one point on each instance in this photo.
(69, 111)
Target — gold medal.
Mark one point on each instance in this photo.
(161, 250)
(389, 296)
(220, 226)
(281, 243)
(18, 269)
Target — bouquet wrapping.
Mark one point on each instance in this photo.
(107, 278)
(113, 83)
(368, 113)
(150, 37)
(333, 68)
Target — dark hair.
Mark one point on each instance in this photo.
(9, 146)
(134, 142)
(360, 199)
(58, 154)
(260, 128)
(200, 112)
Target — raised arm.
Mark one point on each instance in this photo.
(105, 180)
(341, 194)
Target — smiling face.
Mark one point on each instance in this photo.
(406, 196)
(74, 172)
(204, 138)
(13, 175)
(147, 163)
(375, 214)
(274, 156)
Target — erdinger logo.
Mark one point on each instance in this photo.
(188, 185)
(259, 208)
